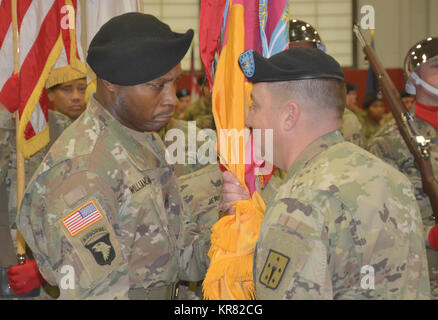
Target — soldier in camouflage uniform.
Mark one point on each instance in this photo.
(372, 120)
(389, 145)
(104, 202)
(190, 132)
(343, 225)
(66, 90)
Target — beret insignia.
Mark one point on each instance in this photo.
(246, 61)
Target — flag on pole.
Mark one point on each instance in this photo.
(223, 37)
(46, 28)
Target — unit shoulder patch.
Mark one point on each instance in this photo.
(99, 244)
(82, 218)
(273, 270)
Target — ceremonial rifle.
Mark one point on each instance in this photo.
(417, 144)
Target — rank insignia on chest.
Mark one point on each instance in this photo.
(273, 269)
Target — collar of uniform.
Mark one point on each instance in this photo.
(312, 150)
(139, 153)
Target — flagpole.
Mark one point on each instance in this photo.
(21, 180)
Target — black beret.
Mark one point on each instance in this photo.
(370, 98)
(134, 48)
(182, 93)
(290, 64)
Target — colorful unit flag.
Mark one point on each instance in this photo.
(243, 24)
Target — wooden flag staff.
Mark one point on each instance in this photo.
(21, 177)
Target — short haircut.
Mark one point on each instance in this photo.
(313, 95)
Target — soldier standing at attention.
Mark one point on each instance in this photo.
(340, 210)
(303, 35)
(201, 110)
(184, 99)
(422, 69)
(104, 202)
(66, 92)
(374, 112)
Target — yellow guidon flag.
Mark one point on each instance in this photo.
(233, 239)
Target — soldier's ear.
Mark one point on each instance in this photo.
(50, 95)
(290, 116)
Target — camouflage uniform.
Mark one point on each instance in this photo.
(369, 129)
(201, 112)
(338, 210)
(8, 172)
(360, 113)
(352, 129)
(389, 145)
(8, 157)
(140, 238)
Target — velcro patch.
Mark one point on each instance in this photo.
(246, 61)
(273, 270)
(83, 217)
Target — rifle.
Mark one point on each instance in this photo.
(417, 144)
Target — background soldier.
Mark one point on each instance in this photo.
(66, 92)
(374, 112)
(184, 99)
(303, 35)
(339, 208)
(389, 145)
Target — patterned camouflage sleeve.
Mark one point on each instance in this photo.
(389, 146)
(200, 192)
(62, 246)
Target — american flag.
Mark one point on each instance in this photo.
(82, 218)
(45, 40)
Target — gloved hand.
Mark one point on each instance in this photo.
(24, 278)
(433, 237)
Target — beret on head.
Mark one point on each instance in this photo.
(134, 48)
(370, 98)
(290, 64)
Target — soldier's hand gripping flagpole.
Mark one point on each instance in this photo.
(417, 144)
(24, 277)
(21, 245)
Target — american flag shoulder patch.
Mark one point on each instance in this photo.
(82, 218)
